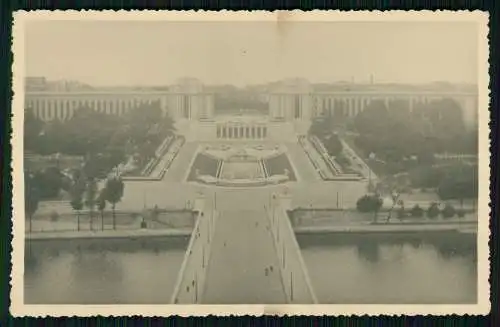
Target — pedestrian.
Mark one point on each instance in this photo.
(266, 271)
(271, 268)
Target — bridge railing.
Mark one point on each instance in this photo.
(192, 275)
(296, 281)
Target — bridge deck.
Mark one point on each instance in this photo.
(242, 249)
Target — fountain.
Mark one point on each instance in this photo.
(242, 165)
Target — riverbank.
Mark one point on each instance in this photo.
(466, 227)
(111, 234)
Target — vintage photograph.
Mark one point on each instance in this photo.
(176, 159)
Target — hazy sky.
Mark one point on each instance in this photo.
(155, 53)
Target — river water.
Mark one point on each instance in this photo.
(362, 271)
(343, 269)
(114, 272)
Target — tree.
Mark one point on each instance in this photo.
(333, 145)
(101, 205)
(49, 182)
(417, 211)
(433, 210)
(373, 119)
(32, 129)
(369, 203)
(459, 182)
(448, 211)
(91, 197)
(114, 192)
(167, 125)
(76, 202)
(97, 166)
(321, 127)
(401, 213)
(31, 198)
(426, 177)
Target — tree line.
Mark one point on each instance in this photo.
(394, 133)
(372, 203)
(322, 128)
(84, 193)
(104, 140)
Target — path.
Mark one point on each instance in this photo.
(167, 157)
(241, 250)
(181, 163)
(365, 169)
(302, 164)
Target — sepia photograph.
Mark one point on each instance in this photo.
(188, 163)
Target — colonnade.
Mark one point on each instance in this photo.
(191, 106)
(62, 106)
(304, 106)
(199, 106)
(350, 106)
(241, 131)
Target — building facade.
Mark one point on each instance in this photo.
(292, 105)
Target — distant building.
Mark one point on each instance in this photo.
(35, 84)
(292, 104)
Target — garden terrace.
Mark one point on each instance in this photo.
(203, 165)
(277, 165)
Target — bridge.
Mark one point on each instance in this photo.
(243, 252)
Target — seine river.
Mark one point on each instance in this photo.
(114, 272)
(359, 270)
(342, 270)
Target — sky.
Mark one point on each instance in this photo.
(109, 53)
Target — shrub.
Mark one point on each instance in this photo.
(448, 211)
(369, 203)
(461, 213)
(417, 211)
(433, 211)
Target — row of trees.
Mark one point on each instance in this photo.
(451, 181)
(373, 204)
(394, 132)
(322, 129)
(104, 140)
(84, 193)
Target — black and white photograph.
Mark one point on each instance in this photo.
(197, 163)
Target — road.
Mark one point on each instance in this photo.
(242, 248)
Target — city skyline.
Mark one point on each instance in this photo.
(234, 52)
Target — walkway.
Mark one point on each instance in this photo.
(241, 250)
(167, 157)
(365, 169)
(181, 163)
(302, 164)
(317, 157)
